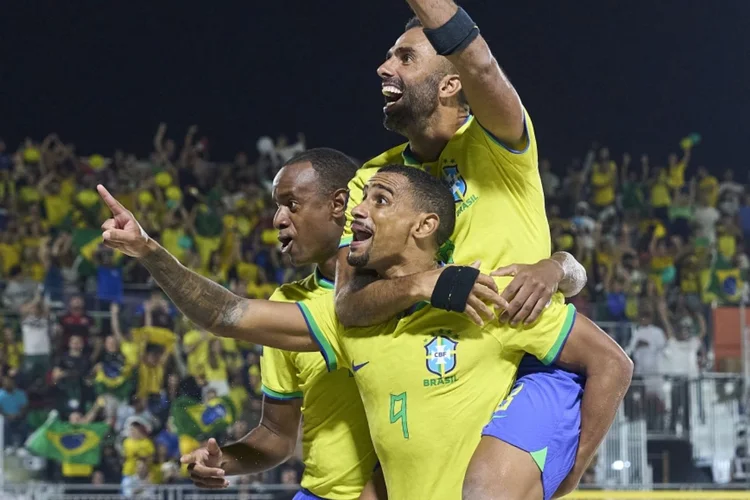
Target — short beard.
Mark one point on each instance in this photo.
(420, 102)
(359, 261)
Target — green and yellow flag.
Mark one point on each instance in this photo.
(64, 442)
(200, 420)
(726, 283)
(115, 380)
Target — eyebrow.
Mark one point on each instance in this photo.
(400, 51)
(383, 187)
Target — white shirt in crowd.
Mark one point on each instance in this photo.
(682, 357)
(730, 194)
(648, 357)
(705, 221)
(550, 183)
(35, 335)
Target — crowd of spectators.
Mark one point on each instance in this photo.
(651, 237)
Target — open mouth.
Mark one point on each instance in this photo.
(392, 95)
(286, 243)
(360, 234)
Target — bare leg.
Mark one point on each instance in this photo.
(500, 471)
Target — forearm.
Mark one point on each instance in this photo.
(492, 98)
(205, 303)
(365, 301)
(217, 310)
(261, 450)
(574, 274)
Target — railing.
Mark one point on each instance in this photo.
(42, 491)
(47, 491)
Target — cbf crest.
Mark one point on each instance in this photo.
(441, 355)
(455, 181)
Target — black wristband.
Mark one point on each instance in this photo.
(456, 34)
(453, 288)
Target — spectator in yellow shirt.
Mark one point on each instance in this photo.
(136, 446)
(603, 181)
(151, 371)
(195, 345)
(215, 371)
(661, 197)
(676, 169)
(708, 186)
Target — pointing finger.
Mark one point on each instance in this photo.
(476, 264)
(114, 205)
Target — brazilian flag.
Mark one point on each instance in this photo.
(117, 380)
(85, 242)
(201, 420)
(726, 283)
(69, 443)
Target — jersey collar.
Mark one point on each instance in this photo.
(322, 281)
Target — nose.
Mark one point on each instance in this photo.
(281, 219)
(385, 70)
(360, 211)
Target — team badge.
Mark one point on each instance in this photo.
(455, 182)
(441, 355)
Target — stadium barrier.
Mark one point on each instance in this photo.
(286, 491)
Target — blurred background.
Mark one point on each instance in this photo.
(186, 113)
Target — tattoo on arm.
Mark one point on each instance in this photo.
(208, 304)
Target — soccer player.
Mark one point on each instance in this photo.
(465, 123)
(310, 191)
(417, 373)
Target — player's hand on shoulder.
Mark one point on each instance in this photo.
(122, 231)
(204, 466)
(530, 290)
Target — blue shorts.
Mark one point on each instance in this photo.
(304, 494)
(542, 416)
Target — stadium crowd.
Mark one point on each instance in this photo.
(87, 335)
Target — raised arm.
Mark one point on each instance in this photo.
(205, 303)
(608, 371)
(492, 98)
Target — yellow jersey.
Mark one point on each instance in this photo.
(132, 450)
(336, 446)
(603, 178)
(417, 373)
(490, 182)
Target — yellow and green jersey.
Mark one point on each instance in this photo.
(500, 214)
(336, 446)
(430, 380)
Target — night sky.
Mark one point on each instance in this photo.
(635, 75)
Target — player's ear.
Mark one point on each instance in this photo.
(339, 200)
(450, 86)
(427, 226)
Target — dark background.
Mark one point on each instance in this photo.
(636, 75)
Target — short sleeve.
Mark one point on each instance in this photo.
(325, 329)
(279, 375)
(545, 338)
(524, 159)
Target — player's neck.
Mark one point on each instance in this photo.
(327, 269)
(428, 139)
(410, 265)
